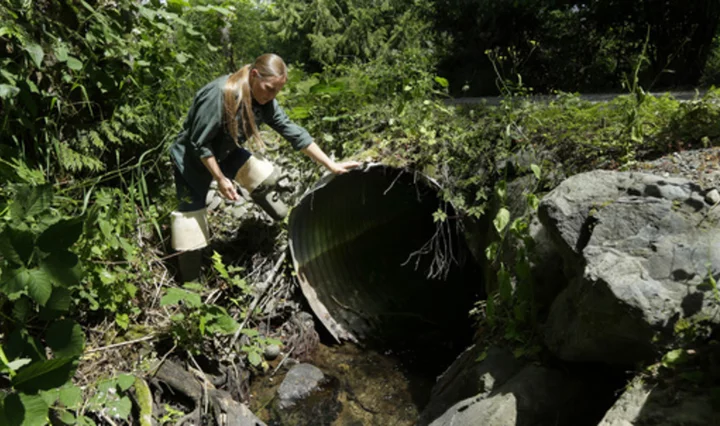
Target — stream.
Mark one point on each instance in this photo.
(362, 387)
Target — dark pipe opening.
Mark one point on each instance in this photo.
(364, 244)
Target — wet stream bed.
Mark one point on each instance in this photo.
(361, 387)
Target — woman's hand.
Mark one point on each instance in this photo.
(313, 151)
(227, 189)
(344, 167)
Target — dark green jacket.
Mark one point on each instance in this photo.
(204, 133)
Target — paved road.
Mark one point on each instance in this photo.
(594, 97)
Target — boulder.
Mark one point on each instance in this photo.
(534, 396)
(467, 377)
(639, 252)
(644, 404)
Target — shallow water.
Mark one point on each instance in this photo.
(364, 387)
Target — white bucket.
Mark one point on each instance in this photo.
(189, 230)
(253, 173)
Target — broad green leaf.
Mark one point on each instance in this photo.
(65, 338)
(36, 53)
(31, 201)
(17, 245)
(26, 410)
(15, 282)
(85, 421)
(44, 375)
(60, 300)
(122, 320)
(536, 170)
(63, 268)
(68, 418)
(60, 235)
(8, 91)
(74, 63)
(501, 219)
(32, 86)
(176, 295)
(119, 409)
(18, 363)
(20, 344)
(9, 77)
(181, 58)
(61, 52)
(39, 286)
(442, 81)
(50, 396)
(71, 396)
(250, 332)
(254, 358)
(193, 286)
(125, 381)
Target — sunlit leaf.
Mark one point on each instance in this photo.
(125, 381)
(7, 91)
(173, 296)
(71, 396)
(74, 63)
(501, 219)
(36, 53)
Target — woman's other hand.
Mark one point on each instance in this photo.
(227, 189)
(344, 167)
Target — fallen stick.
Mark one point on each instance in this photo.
(117, 345)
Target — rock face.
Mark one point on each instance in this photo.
(646, 405)
(639, 252)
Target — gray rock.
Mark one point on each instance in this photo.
(637, 250)
(534, 396)
(210, 196)
(235, 413)
(271, 352)
(300, 381)
(215, 202)
(642, 404)
(467, 377)
(712, 197)
(238, 211)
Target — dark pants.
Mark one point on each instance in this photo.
(191, 194)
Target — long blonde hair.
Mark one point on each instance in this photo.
(237, 96)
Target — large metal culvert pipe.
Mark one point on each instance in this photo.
(355, 241)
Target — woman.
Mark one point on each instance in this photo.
(224, 114)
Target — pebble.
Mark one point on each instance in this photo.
(271, 352)
(238, 211)
(215, 202)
